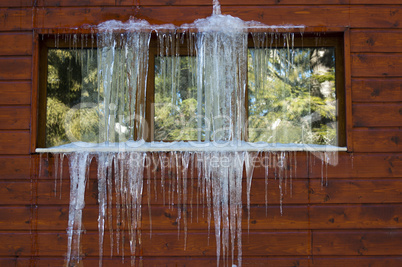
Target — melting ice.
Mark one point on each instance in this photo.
(221, 66)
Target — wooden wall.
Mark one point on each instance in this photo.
(355, 221)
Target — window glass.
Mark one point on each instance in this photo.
(292, 96)
(72, 96)
(175, 104)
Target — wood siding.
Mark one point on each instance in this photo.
(354, 221)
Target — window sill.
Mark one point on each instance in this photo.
(141, 146)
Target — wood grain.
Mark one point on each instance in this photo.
(55, 218)
(377, 115)
(157, 261)
(14, 3)
(355, 216)
(356, 191)
(358, 261)
(377, 90)
(354, 242)
(62, 3)
(376, 65)
(376, 41)
(19, 192)
(15, 93)
(325, 16)
(15, 19)
(346, 165)
(165, 243)
(15, 118)
(16, 44)
(12, 143)
(378, 140)
(358, 165)
(15, 167)
(232, 2)
(19, 68)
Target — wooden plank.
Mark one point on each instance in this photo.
(353, 16)
(15, 218)
(360, 165)
(376, 41)
(16, 44)
(232, 2)
(355, 242)
(355, 216)
(13, 3)
(375, 16)
(15, 68)
(296, 15)
(76, 17)
(254, 2)
(15, 118)
(377, 115)
(38, 74)
(55, 218)
(359, 261)
(372, 2)
(325, 16)
(377, 140)
(161, 244)
(356, 191)
(156, 261)
(15, 19)
(376, 65)
(16, 193)
(87, 3)
(19, 192)
(347, 112)
(377, 90)
(15, 167)
(295, 163)
(296, 166)
(12, 143)
(15, 93)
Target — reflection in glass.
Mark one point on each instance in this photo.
(72, 96)
(292, 96)
(175, 99)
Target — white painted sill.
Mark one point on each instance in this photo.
(141, 146)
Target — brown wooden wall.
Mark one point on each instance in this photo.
(355, 221)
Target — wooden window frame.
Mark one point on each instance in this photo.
(335, 40)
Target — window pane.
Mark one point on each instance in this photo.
(176, 99)
(72, 96)
(292, 96)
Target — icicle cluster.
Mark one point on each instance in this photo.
(121, 184)
(123, 53)
(219, 44)
(221, 50)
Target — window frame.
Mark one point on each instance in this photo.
(335, 40)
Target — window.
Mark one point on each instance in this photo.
(295, 95)
(294, 92)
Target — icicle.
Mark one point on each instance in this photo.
(102, 199)
(149, 161)
(185, 157)
(117, 188)
(56, 169)
(78, 165)
(249, 163)
(266, 163)
(216, 7)
(162, 160)
(61, 172)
